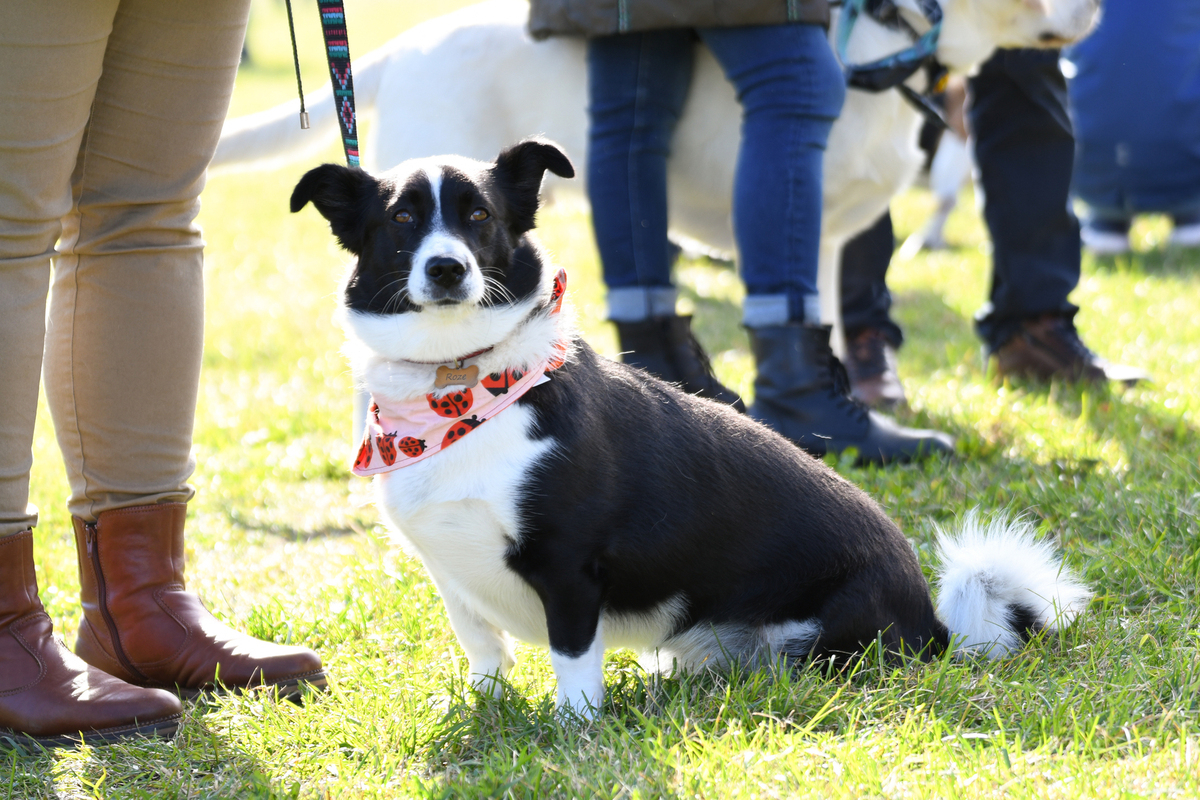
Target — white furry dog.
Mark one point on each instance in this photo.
(473, 82)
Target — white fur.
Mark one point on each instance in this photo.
(481, 84)
(706, 646)
(387, 351)
(581, 678)
(992, 564)
(950, 170)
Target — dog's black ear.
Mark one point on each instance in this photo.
(342, 195)
(519, 171)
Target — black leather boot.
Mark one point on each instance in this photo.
(666, 348)
(802, 391)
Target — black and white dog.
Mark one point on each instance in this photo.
(604, 508)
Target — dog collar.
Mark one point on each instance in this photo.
(894, 69)
(457, 362)
(401, 434)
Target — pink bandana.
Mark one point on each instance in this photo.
(414, 430)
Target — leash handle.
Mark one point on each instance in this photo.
(337, 53)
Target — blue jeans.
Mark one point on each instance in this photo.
(791, 90)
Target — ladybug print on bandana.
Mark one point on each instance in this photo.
(452, 405)
(412, 446)
(387, 447)
(460, 429)
(559, 290)
(499, 383)
(405, 433)
(364, 454)
(559, 358)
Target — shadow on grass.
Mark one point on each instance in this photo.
(292, 533)
(684, 736)
(939, 338)
(198, 762)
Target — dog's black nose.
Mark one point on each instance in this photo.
(445, 272)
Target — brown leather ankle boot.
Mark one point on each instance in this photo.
(50, 697)
(140, 625)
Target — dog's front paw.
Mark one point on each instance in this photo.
(580, 678)
(490, 683)
(582, 703)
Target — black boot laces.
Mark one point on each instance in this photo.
(840, 383)
(693, 344)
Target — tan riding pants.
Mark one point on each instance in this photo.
(110, 111)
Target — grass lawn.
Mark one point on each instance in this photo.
(284, 543)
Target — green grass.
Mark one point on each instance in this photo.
(284, 543)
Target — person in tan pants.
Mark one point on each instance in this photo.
(110, 111)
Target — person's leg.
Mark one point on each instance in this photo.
(1024, 147)
(126, 322)
(51, 62)
(872, 336)
(637, 84)
(124, 347)
(866, 300)
(791, 89)
(51, 57)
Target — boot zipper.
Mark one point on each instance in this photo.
(93, 549)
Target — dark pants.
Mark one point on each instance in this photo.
(1024, 149)
(866, 300)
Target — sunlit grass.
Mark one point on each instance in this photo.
(283, 542)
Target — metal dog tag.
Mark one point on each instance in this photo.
(460, 376)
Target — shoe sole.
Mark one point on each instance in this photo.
(164, 728)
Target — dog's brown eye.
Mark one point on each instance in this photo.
(479, 215)
(403, 216)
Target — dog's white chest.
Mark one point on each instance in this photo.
(460, 512)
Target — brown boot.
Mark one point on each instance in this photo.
(140, 625)
(871, 364)
(1049, 348)
(48, 696)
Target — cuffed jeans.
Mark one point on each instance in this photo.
(110, 111)
(791, 90)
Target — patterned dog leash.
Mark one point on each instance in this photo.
(337, 54)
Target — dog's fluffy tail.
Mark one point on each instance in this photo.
(272, 138)
(998, 585)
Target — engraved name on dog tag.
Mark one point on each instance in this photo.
(462, 376)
